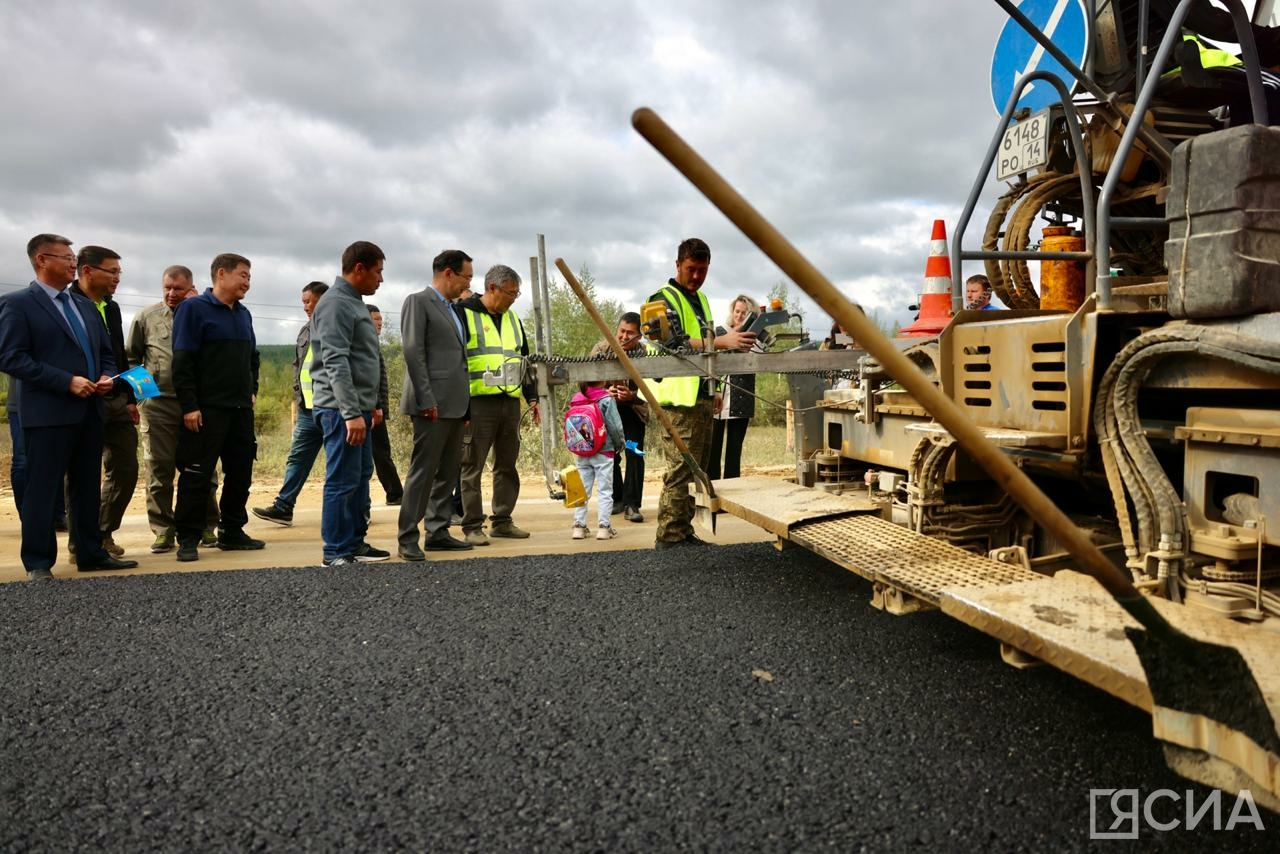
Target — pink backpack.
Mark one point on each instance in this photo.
(584, 432)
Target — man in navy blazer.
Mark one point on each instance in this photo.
(55, 342)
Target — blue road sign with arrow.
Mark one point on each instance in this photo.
(1017, 53)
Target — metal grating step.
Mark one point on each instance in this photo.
(883, 552)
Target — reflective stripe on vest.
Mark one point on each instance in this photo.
(489, 350)
(682, 391)
(304, 379)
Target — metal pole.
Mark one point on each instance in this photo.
(546, 395)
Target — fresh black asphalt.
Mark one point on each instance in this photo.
(724, 698)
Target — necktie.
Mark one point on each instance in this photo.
(77, 329)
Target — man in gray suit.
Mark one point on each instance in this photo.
(436, 396)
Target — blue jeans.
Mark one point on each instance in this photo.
(595, 470)
(347, 471)
(303, 450)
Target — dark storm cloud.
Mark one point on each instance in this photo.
(285, 130)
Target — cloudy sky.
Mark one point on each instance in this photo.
(284, 130)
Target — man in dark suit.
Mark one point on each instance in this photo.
(99, 276)
(436, 395)
(56, 343)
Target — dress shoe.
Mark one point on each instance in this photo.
(394, 502)
(413, 554)
(108, 562)
(39, 575)
(509, 531)
(477, 538)
(632, 514)
(109, 546)
(446, 543)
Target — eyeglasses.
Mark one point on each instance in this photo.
(513, 294)
(109, 272)
(70, 258)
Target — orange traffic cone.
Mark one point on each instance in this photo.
(935, 300)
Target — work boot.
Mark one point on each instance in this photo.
(163, 543)
(109, 546)
(632, 514)
(477, 538)
(188, 552)
(509, 530)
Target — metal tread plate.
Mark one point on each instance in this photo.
(1069, 621)
(891, 554)
(778, 505)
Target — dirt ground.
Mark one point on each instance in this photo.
(549, 522)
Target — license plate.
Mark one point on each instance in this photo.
(1024, 146)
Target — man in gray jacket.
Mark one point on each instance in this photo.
(344, 375)
(436, 396)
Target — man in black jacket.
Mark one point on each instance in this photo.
(99, 276)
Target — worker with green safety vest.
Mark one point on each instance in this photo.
(690, 401)
(307, 438)
(495, 342)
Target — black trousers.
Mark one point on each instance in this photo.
(628, 490)
(727, 435)
(384, 465)
(228, 436)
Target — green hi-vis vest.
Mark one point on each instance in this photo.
(304, 379)
(489, 350)
(682, 391)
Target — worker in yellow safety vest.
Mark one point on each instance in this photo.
(690, 401)
(495, 341)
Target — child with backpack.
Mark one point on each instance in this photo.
(593, 434)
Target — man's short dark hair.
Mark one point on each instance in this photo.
(361, 252)
(694, 248)
(178, 270)
(93, 256)
(373, 309)
(317, 288)
(980, 279)
(41, 240)
(631, 317)
(227, 261)
(449, 259)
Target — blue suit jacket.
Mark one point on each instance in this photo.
(38, 347)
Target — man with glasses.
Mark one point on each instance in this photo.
(56, 343)
(100, 273)
(495, 342)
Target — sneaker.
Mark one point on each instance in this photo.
(632, 514)
(109, 546)
(209, 538)
(606, 532)
(235, 540)
(476, 538)
(345, 560)
(163, 543)
(366, 553)
(275, 513)
(509, 531)
(579, 532)
(188, 552)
